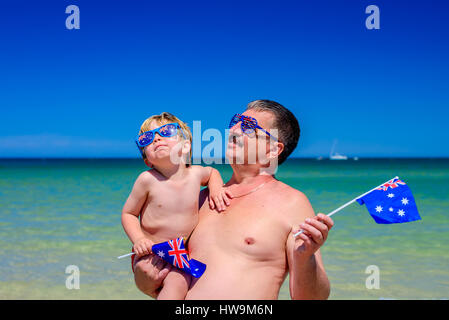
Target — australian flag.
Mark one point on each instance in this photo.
(392, 202)
(175, 253)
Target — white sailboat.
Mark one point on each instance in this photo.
(336, 156)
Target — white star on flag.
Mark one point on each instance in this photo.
(391, 209)
(390, 195)
(379, 209)
(401, 212)
(404, 201)
(160, 254)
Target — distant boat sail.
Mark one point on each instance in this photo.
(336, 156)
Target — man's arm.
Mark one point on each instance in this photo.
(149, 274)
(308, 279)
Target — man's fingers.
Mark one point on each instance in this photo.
(163, 273)
(160, 264)
(306, 239)
(229, 193)
(326, 220)
(295, 231)
(320, 226)
(314, 232)
(211, 204)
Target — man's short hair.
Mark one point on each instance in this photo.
(285, 122)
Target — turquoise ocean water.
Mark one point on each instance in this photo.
(57, 213)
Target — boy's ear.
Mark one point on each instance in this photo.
(148, 163)
(186, 146)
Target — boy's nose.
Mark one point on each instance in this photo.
(157, 137)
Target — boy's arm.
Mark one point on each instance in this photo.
(218, 196)
(133, 206)
(308, 279)
(211, 177)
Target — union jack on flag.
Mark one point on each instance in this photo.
(175, 253)
(393, 183)
(179, 253)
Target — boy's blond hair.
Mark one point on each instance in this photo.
(165, 118)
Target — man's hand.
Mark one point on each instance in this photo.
(142, 247)
(149, 274)
(219, 197)
(315, 233)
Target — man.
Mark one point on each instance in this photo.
(249, 249)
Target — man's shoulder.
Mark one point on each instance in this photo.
(294, 202)
(291, 194)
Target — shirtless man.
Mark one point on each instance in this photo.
(249, 248)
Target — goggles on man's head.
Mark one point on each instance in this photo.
(167, 130)
(248, 124)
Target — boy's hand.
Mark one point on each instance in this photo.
(219, 198)
(142, 247)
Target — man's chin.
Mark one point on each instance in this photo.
(233, 157)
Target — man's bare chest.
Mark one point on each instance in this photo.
(252, 231)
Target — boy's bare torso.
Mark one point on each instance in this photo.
(244, 248)
(171, 209)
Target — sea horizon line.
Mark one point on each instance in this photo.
(317, 158)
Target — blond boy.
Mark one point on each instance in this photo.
(163, 203)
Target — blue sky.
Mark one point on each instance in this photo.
(84, 93)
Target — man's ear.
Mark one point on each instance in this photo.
(271, 166)
(276, 149)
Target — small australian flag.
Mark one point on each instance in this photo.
(175, 253)
(392, 202)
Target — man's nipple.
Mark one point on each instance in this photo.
(249, 240)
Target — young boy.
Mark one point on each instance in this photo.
(166, 197)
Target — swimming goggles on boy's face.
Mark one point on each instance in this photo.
(248, 125)
(167, 130)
